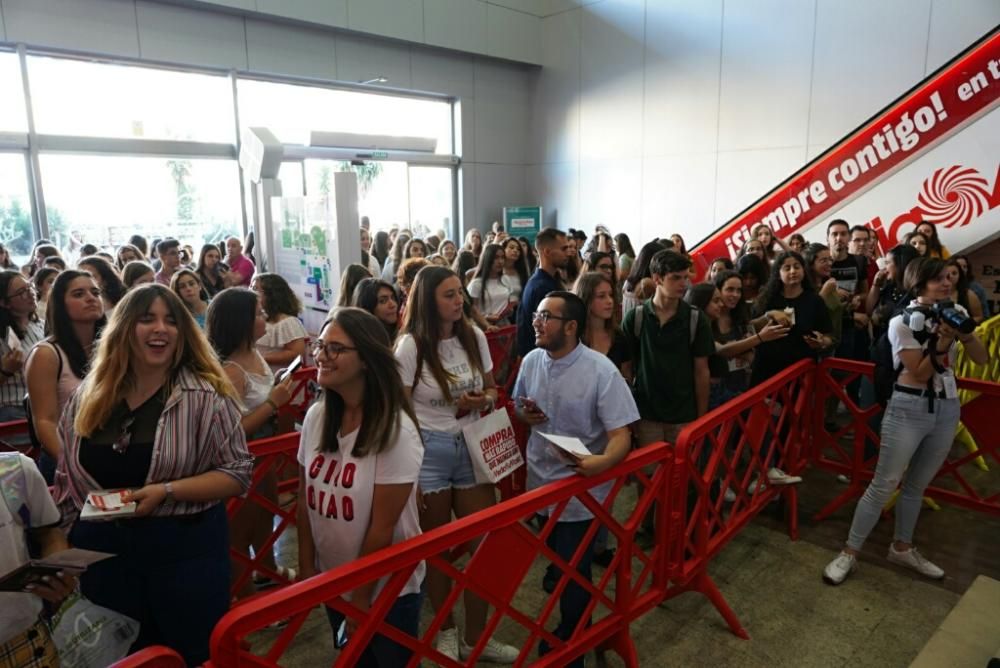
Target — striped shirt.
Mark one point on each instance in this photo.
(199, 431)
(13, 388)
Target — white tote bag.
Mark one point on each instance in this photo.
(493, 448)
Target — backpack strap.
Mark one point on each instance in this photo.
(14, 487)
(694, 324)
(637, 320)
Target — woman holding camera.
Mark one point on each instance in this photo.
(920, 419)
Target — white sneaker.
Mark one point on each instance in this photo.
(837, 570)
(913, 559)
(447, 643)
(778, 477)
(494, 652)
(729, 496)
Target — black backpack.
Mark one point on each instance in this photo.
(886, 372)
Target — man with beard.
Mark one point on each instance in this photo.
(564, 388)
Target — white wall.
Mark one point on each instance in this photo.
(661, 116)
(500, 28)
(494, 94)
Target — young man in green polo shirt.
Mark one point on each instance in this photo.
(669, 352)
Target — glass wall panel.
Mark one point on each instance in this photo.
(292, 111)
(72, 97)
(13, 117)
(16, 232)
(383, 191)
(105, 199)
(431, 197)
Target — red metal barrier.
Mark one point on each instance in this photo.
(733, 447)
(304, 391)
(277, 456)
(956, 482)
(157, 656)
(16, 429)
(634, 583)
(503, 346)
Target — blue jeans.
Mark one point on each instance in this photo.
(171, 574)
(915, 443)
(447, 463)
(382, 652)
(564, 541)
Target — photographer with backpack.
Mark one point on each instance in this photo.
(920, 420)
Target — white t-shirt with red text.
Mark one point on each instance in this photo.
(340, 489)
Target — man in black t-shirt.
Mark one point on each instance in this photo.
(851, 274)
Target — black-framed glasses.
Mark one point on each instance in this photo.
(120, 444)
(545, 316)
(332, 350)
(22, 292)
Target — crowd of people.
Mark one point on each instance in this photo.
(149, 369)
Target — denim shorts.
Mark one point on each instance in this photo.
(447, 464)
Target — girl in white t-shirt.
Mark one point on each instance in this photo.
(446, 368)
(490, 288)
(359, 456)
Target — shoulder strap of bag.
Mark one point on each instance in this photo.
(637, 320)
(694, 324)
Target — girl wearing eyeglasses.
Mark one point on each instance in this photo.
(76, 317)
(233, 324)
(20, 329)
(156, 416)
(360, 455)
(447, 372)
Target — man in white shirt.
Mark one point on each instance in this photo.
(27, 508)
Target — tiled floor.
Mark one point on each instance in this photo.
(881, 616)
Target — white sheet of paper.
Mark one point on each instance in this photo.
(77, 558)
(13, 342)
(570, 444)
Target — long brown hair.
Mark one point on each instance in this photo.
(383, 399)
(586, 287)
(423, 323)
(112, 373)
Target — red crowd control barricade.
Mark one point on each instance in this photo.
(732, 448)
(304, 391)
(501, 565)
(852, 448)
(157, 656)
(12, 433)
(503, 352)
(275, 457)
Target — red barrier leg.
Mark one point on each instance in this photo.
(854, 490)
(706, 586)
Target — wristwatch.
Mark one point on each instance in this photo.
(169, 487)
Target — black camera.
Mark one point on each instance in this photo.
(920, 317)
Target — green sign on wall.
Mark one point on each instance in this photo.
(522, 221)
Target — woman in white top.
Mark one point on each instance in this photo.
(360, 455)
(235, 321)
(448, 374)
(285, 338)
(515, 266)
(76, 317)
(490, 289)
(920, 419)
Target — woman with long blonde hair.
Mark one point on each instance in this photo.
(156, 417)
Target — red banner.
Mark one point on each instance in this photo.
(947, 101)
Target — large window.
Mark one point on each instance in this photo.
(72, 97)
(12, 112)
(431, 198)
(119, 149)
(105, 200)
(15, 208)
(292, 111)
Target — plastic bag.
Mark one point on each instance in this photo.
(89, 636)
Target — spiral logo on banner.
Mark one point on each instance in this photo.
(954, 196)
